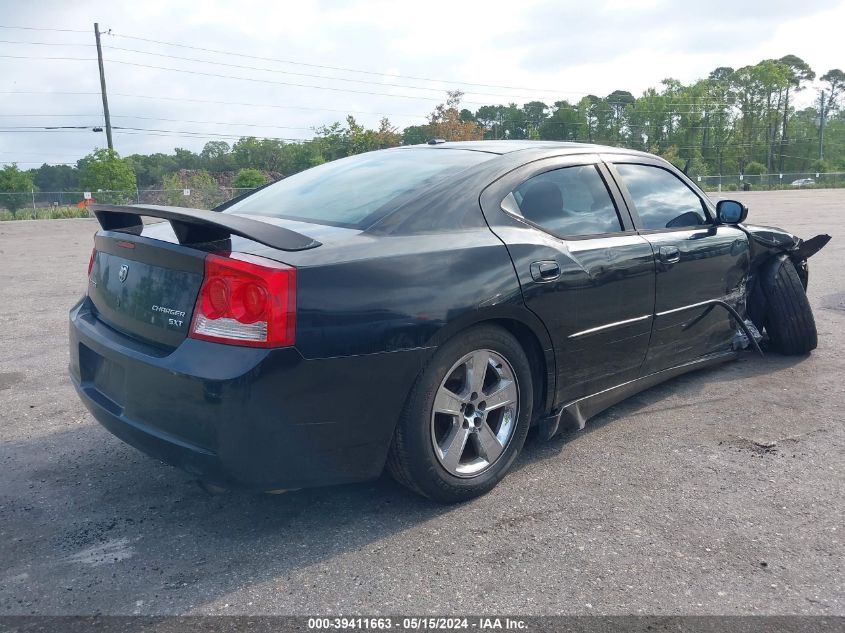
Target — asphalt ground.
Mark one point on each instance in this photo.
(720, 492)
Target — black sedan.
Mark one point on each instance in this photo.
(419, 308)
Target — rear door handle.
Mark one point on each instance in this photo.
(547, 270)
(669, 254)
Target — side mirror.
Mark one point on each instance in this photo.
(731, 212)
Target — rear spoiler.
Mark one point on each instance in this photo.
(196, 226)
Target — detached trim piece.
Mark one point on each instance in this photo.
(197, 226)
(577, 412)
(711, 303)
(808, 248)
(583, 409)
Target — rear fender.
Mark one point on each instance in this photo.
(513, 313)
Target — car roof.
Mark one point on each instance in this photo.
(509, 146)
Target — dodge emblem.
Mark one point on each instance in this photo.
(124, 272)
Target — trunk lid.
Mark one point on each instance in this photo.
(146, 289)
(145, 278)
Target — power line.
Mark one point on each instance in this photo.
(51, 58)
(50, 115)
(190, 133)
(281, 83)
(35, 162)
(44, 92)
(254, 79)
(668, 110)
(212, 101)
(287, 107)
(54, 130)
(327, 67)
(153, 118)
(218, 75)
(45, 43)
(38, 28)
(546, 91)
(10, 128)
(292, 84)
(297, 74)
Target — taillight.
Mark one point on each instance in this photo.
(246, 300)
(91, 261)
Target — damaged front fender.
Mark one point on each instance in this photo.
(767, 245)
(765, 241)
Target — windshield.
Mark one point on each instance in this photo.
(358, 190)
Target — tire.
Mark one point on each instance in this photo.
(446, 444)
(789, 317)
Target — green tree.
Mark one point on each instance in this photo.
(56, 178)
(835, 80)
(619, 100)
(415, 134)
(249, 179)
(752, 172)
(490, 118)
(109, 177)
(299, 156)
(387, 135)
(204, 192)
(16, 188)
(266, 154)
(150, 169)
(186, 159)
(799, 73)
(358, 139)
(535, 114)
(216, 156)
(331, 141)
(719, 124)
(563, 124)
(445, 121)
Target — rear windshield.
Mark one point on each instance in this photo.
(358, 190)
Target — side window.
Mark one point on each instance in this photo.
(568, 201)
(662, 200)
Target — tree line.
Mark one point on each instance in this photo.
(734, 121)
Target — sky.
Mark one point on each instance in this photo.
(283, 68)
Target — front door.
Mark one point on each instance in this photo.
(696, 259)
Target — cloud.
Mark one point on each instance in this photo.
(539, 49)
(557, 33)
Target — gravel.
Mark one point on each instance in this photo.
(720, 492)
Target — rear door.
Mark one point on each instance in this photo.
(581, 266)
(697, 260)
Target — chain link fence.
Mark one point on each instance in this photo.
(70, 204)
(771, 182)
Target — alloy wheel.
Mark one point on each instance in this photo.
(475, 413)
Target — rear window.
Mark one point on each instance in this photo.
(358, 190)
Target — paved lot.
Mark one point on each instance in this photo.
(667, 503)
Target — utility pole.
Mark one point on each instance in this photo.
(821, 126)
(103, 86)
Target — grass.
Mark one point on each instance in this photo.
(44, 213)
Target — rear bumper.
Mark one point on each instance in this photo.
(245, 417)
